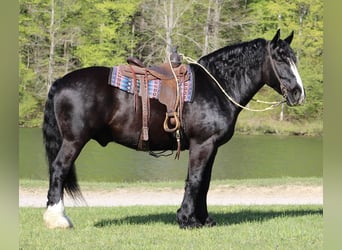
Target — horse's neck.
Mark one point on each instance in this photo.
(240, 83)
(245, 88)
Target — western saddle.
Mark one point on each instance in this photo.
(171, 75)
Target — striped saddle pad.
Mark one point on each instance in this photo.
(126, 83)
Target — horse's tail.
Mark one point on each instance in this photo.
(52, 139)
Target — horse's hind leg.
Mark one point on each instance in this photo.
(60, 171)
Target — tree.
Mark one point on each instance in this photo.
(106, 34)
(32, 54)
(58, 36)
(159, 27)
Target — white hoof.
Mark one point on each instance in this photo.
(55, 217)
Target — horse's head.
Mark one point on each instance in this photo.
(282, 70)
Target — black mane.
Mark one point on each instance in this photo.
(233, 64)
(246, 54)
(237, 66)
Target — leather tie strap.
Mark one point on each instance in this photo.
(282, 86)
(145, 108)
(135, 87)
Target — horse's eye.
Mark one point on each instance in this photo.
(281, 51)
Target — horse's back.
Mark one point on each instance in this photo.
(87, 77)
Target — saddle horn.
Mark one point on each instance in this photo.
(175, 58)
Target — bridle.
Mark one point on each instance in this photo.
(282, 85)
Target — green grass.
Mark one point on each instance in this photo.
(305, 181)
(253, 123)
(154, 227)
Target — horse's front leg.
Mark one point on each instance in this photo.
(193, 211)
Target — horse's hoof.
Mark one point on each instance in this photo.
(209, 222)
(55, 217)
(53, 220)
(188, 223)
(192, 225)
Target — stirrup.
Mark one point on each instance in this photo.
(169, 115)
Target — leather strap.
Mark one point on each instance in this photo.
(135, 87)
(145, 108)
(282, 86)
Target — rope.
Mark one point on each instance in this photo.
(264, 102)
(272, 104)
(174, 75)
(176, 113)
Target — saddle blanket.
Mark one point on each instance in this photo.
(125, 83)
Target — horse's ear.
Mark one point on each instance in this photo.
(275, 39)
(289, 38)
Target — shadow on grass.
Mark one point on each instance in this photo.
(221, 218)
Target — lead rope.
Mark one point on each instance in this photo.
(176, 115)
(272, 104)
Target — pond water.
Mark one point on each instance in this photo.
(243, 157)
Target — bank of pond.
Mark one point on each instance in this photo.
(244, 157)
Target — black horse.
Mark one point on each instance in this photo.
(82, 106)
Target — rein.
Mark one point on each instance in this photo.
(272, 104)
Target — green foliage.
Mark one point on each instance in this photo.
(27, 111)
(29, 102)
(108, 23)
(104, 32)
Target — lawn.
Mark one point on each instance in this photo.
(93, 186)
(154, 227)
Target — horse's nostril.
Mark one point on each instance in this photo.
(296, 93)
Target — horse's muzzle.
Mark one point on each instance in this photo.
(295, 97)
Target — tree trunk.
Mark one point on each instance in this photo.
(212, 28)
(169, 22)
(207, 31)
(281, 116)
(52, 33)
(66, 56)
(216, 24)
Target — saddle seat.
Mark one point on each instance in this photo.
(162, 71)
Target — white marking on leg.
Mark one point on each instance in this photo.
(57, 208)
(298, 78)
(55, 217)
